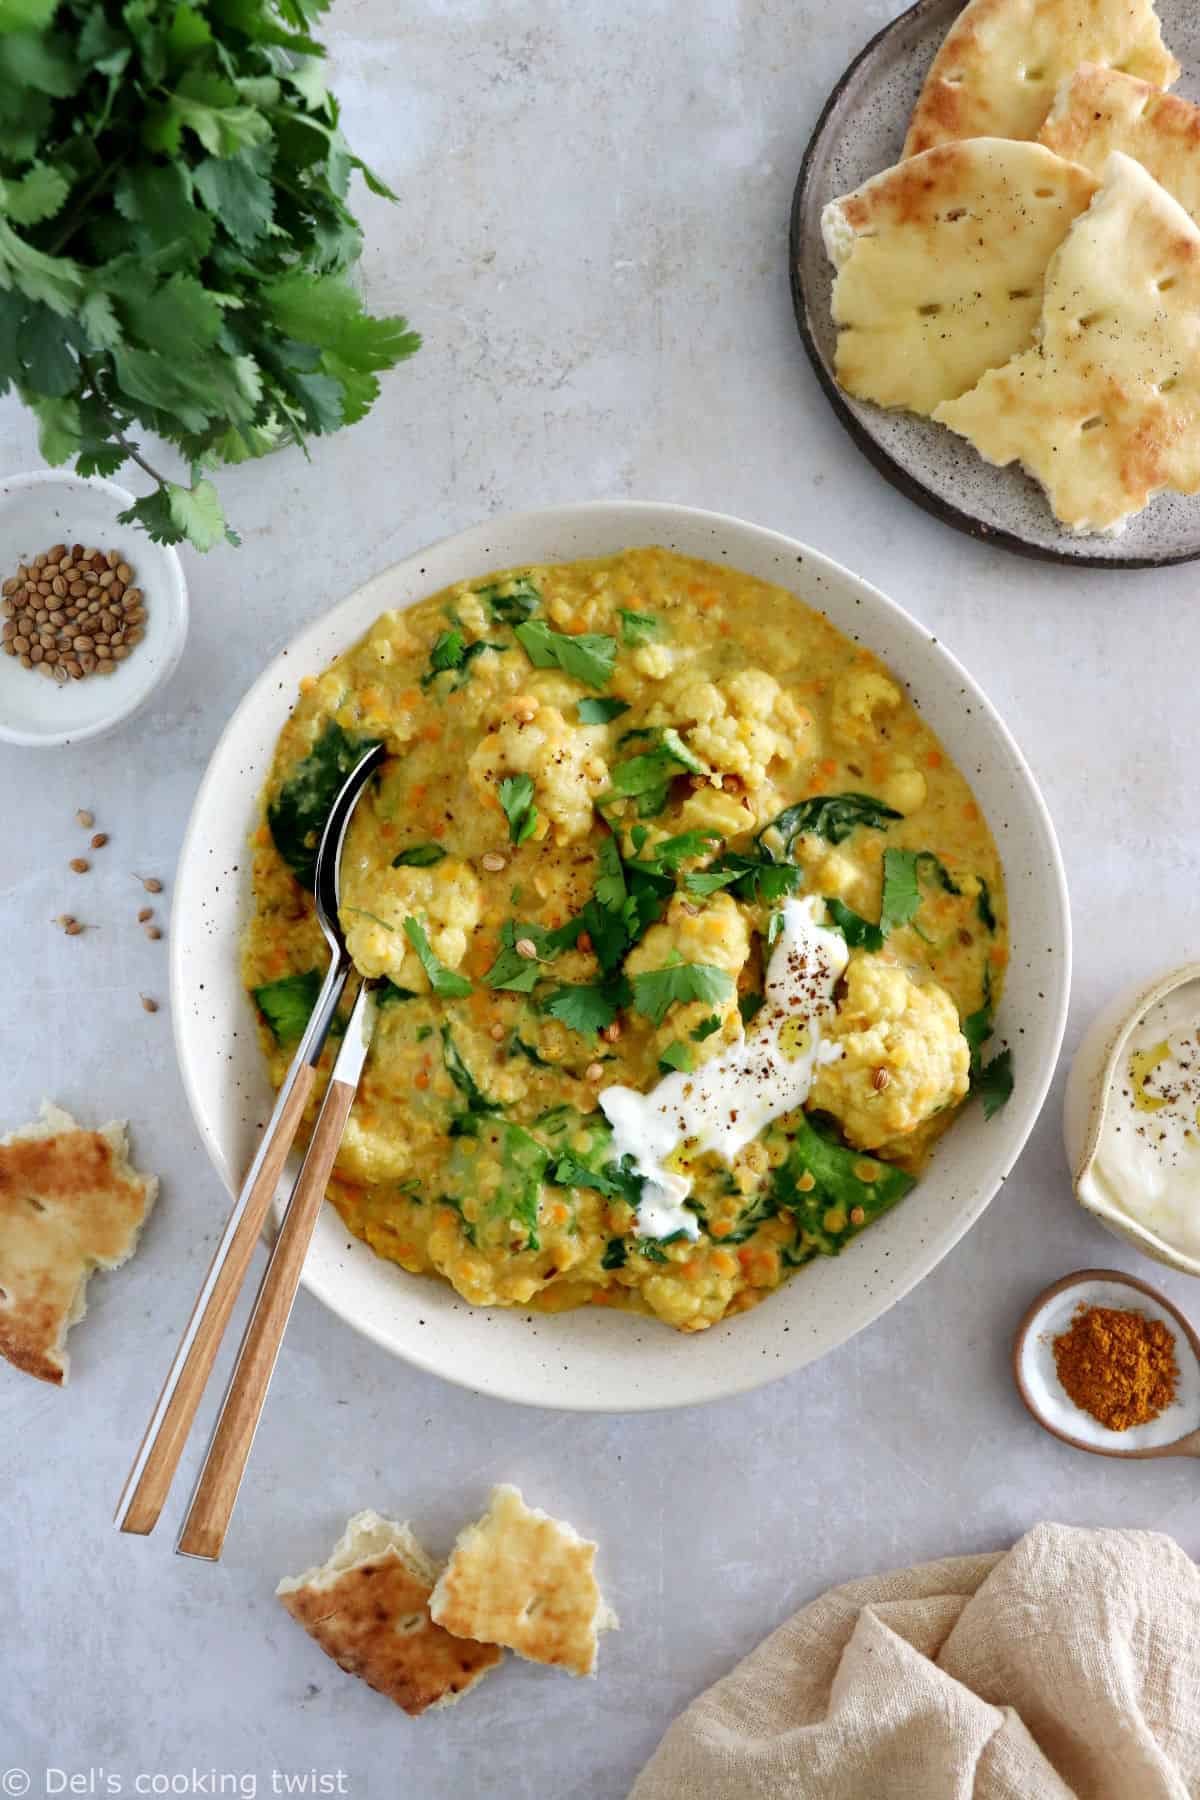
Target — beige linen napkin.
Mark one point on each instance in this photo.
(1069, 1666)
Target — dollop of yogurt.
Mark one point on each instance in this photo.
(1147, 1160)
(724, 1105)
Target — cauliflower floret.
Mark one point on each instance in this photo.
(654, 660)
(717, 934)
(905, 788)
(743, 723)
(719, 810)
(903, 1056)
(827, 871)
(535, 739)
(445, 900)
(859, 696)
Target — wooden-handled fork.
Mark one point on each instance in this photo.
(154, 1466)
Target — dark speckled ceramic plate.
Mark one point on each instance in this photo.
(861, 131)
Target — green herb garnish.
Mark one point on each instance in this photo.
(831, 816)
(749, 1005)
(477, 1101)
(749, 878)
(992, 1081)
(419, 856)
(844, 1190)
(452, 653)
(983, 906)
(388, 994)
(287, 1004)
(647, 777)
(586, 1009)
(705, 1028)
(523, 1165)
(656, 990)
(516, 800)
(588, 656)
(600, 711)
(638, 628)
(176, 241)
(296, 817)
(614, 1254)
(511, 602)
(677, 1056)
(858, 932)
(902, 872)
(445, 983)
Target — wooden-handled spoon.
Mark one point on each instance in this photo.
(154, 1466)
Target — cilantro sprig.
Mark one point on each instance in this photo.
(655, 990)
(516, 800)
(446, 984)
(992, 1081)
(588, 656)
(646, 778)
(176, 241)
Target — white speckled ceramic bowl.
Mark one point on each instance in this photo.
(51, 507)
(593, 1359)
(1089, 1087)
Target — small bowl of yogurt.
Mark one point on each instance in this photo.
(1131, 1118)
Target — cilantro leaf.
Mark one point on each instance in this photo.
(446, 984)
(600, 711)
(705, 1028)
(994, 1084)
(831, 816)
(992, 1081)
(750, 878)
(419, 856)
(647, 777)
(858, 932)
(677, 1056)
(511, 970)
(586, 1009)
(516, 800)
(638, 628)
(511, 601)
(656, 990)
(451, 651)
(902, 871)
(586, 656)
(749, 1005)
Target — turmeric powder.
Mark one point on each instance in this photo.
(1119, 1366)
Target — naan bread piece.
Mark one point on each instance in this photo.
(1098, 111)
(997, 70)
(523, 1579)
(368, 1608)
(70, 1202)
(940, 264)
(1105, 409)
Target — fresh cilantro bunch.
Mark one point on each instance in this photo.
(175, 240)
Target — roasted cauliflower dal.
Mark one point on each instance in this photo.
(686, 934)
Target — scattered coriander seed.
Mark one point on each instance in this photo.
(148, 1005)
(880, 1079)
(80, 865)
(594, 1072)
(152, 931)
(65, 919)
(493, 862)
(527, 948)
(497, 1032)
(151, 883)
(145, 913)
(99, 841)
(612, 1032)
(73, 928)
(857, 1215)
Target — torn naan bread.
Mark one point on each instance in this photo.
(1098, 111)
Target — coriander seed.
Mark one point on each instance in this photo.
(80, 865)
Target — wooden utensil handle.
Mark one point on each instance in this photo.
(149, 1482)
(212, 1504)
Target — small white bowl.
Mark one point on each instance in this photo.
(53, 508)
(1097, 1063)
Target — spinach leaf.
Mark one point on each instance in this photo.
(445, 983)
(655, 990)
(516, 799)
(518, 1047)
(388, 994)
(587, 656)
(477, 1101)
(831, 816)
(832, 1191)
(983, 906)
(638, 628)
(296, 817)
(858, 932)
(614, 1254)
(287, 1003)
(523, 1166)
(419, 856)
(677, 1057)
(992, 1081)
(510, 602)
(750, 1005)
(600, 711)
(456, 1205)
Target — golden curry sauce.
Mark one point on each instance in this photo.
(604, 778)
